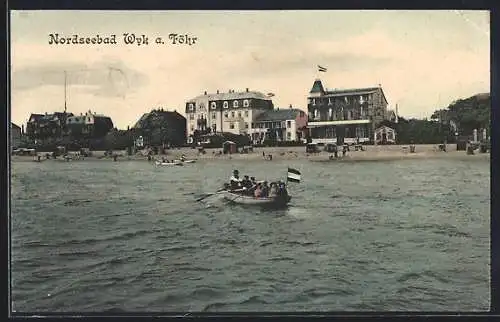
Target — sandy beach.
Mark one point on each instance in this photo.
(371, 153)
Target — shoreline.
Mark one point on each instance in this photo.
(372, 153)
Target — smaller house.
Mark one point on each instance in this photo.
(89, 125)
(280, 124)
(229, 147)
(15, 136)
(46, 126)
(385, 135)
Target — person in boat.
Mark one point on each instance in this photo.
(281, 189)
(183, 158)
(265, 190)
(235, 180)
(258, 191)
(273, 190)
(246, 182)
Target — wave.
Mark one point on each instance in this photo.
(421, 275)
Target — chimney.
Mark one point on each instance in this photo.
(247, 89)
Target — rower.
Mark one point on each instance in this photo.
(246, 183)
(235, 180)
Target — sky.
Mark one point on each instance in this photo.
(423, 60)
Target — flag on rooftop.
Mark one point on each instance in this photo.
(322, 69)
(293, 175)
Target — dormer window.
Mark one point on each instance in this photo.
(191, 106)
(314, 101)
(213, 105)
(246, 103)
(235, 103)
(329, 101)
(225, 104)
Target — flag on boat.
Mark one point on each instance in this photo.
(293, 175)
(322, 69)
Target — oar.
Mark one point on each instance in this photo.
(210, 194)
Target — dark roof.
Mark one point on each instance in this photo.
(36, 116)
(230, 96)
(355, 91)
(352, 91)
(161, 114)
(317, 87)
(279, 115)
(15, 126)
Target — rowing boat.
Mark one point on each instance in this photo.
(185, 161)
(273, 202)
(166, 164)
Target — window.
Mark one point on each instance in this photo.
(213, 105)
(314, 101)
(288, 124)
(232, 114)
(192, 128)
(239, 114)
(225, 104)
(191, 106)
(246, 103)
(214, 115)
(246, 113)
(329, 101)
(288, 135)
(246, 125)
(253, 125)
(88, 119)
(235, 104)
(226, 115)
(231, 125)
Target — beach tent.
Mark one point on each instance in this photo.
(385, 135)
(229, 147)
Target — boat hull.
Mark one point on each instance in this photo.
(275, 202)
(168, 164)
(185, 161)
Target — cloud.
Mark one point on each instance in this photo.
(109, 78)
